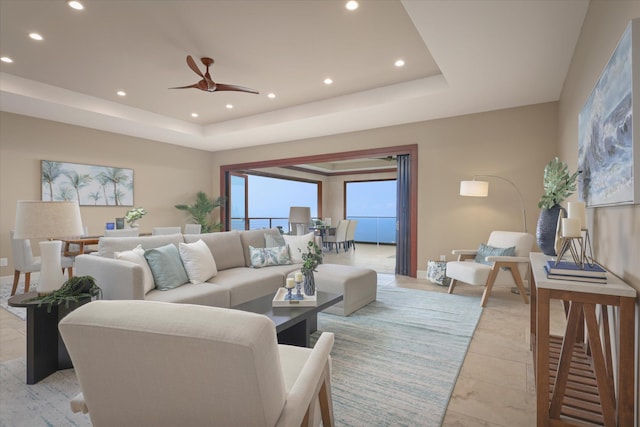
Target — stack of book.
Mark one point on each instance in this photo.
(567, 270)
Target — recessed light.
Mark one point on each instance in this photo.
(194, 114)
(121, 93)
(75, 5)
(351, 5)
(399, 63)
(328, 81)
(6, 59)
(271, 95)
(229, 106)
(36, 36)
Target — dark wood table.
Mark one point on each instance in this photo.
(81, 242)
(294, 324)
(46, 352)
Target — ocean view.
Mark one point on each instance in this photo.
(369, 229)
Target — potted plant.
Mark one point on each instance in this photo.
(72, 291)
(133, 215)
(559, 184)
(310, 261)
(201, 210)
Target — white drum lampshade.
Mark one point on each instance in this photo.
(47, 220)
(474, 188)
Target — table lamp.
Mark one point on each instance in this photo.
(47, 220)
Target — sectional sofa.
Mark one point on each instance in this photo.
(246, 265)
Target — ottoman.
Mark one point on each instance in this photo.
(357, 284)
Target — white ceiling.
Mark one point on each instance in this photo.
(462, 56)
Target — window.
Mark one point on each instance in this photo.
(269, 199)
(373, 204)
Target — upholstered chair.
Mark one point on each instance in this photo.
(123, 232)
(504, 260)
(340, 236)
(351, 233)
(25, 262)
(192, 228)
(156, 231)
(149, 363)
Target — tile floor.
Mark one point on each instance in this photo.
(495, 386)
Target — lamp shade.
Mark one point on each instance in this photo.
(36, 219)
(474, 188)
(300, 215)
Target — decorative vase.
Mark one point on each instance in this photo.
(309, 284)
(546, 229)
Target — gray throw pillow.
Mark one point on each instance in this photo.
(486, 250)
(166, 267)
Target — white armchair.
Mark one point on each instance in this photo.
(497, 269)
(161, 364)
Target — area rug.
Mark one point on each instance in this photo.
(5, 294)
(395, 363)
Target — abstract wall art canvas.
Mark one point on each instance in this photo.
(608, 131)
(88, 184)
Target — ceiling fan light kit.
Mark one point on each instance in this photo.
(207, 84)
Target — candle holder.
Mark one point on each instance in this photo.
(289, 296)
(299, 289)
(579, 247)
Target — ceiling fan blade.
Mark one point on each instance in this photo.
(224, 87)
(186, 87)
(192, 64)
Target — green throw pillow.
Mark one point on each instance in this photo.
(166, 267)
(485, 251)
(264, 257)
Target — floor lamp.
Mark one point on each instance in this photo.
(46, 220)
(478, 188)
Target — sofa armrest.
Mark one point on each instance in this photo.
(118, 279)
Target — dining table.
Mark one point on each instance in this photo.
(80, 242)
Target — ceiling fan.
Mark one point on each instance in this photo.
(207, 84)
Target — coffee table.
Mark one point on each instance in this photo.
(294, 324)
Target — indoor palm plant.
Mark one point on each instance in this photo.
(201, 210)
(559, 184)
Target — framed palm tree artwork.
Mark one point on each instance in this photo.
(90, 185)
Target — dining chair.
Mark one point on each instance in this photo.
(340, 236)
(157, 231)
(123, 232)
(192, 229)
(351, 234)
(25, 262)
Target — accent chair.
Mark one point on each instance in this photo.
(504, 260)
(149, 363)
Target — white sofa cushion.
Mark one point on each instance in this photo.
(198, 261)
(298, 245)
(136, 256)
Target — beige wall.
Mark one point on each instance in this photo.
(615, 230)
(514, 143)
(164, 175)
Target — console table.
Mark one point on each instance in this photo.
(46, 352)
(576, 378)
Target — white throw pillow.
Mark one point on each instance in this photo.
(198, 261)
(136, 256)
(298, 245)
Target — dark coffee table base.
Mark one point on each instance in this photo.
(294, 324)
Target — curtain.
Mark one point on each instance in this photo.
(403, 215)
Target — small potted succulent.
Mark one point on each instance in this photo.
(559, 184)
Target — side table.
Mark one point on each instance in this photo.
(46, 352)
